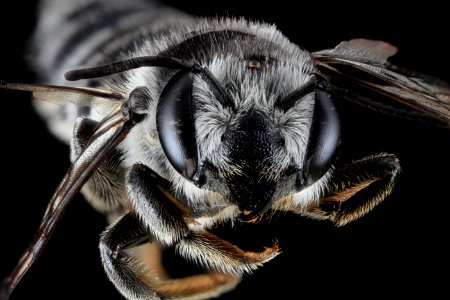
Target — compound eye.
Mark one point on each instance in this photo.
(324, 139)
(175, 123)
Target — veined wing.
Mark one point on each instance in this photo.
(358, 70)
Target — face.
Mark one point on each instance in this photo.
(259, 144)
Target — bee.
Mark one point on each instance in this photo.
(186, 124)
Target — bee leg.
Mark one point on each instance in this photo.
(125, 274)
(356, 188)
(105, 190)
(171, 224)
(135, 280)
(215, 253)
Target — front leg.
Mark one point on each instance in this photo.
(159, 218)
(168, 221)
(135, 280)
(355, 189)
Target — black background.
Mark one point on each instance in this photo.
(400, 249)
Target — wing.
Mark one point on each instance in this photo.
(357, 70)
(108, 134)
(96, 99)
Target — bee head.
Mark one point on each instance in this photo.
(252, 155)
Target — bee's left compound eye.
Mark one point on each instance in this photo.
(175, 123)
(324, 139)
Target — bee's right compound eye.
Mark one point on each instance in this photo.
(323, 141)
(175, 124)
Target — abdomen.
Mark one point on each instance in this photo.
(86, 33)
